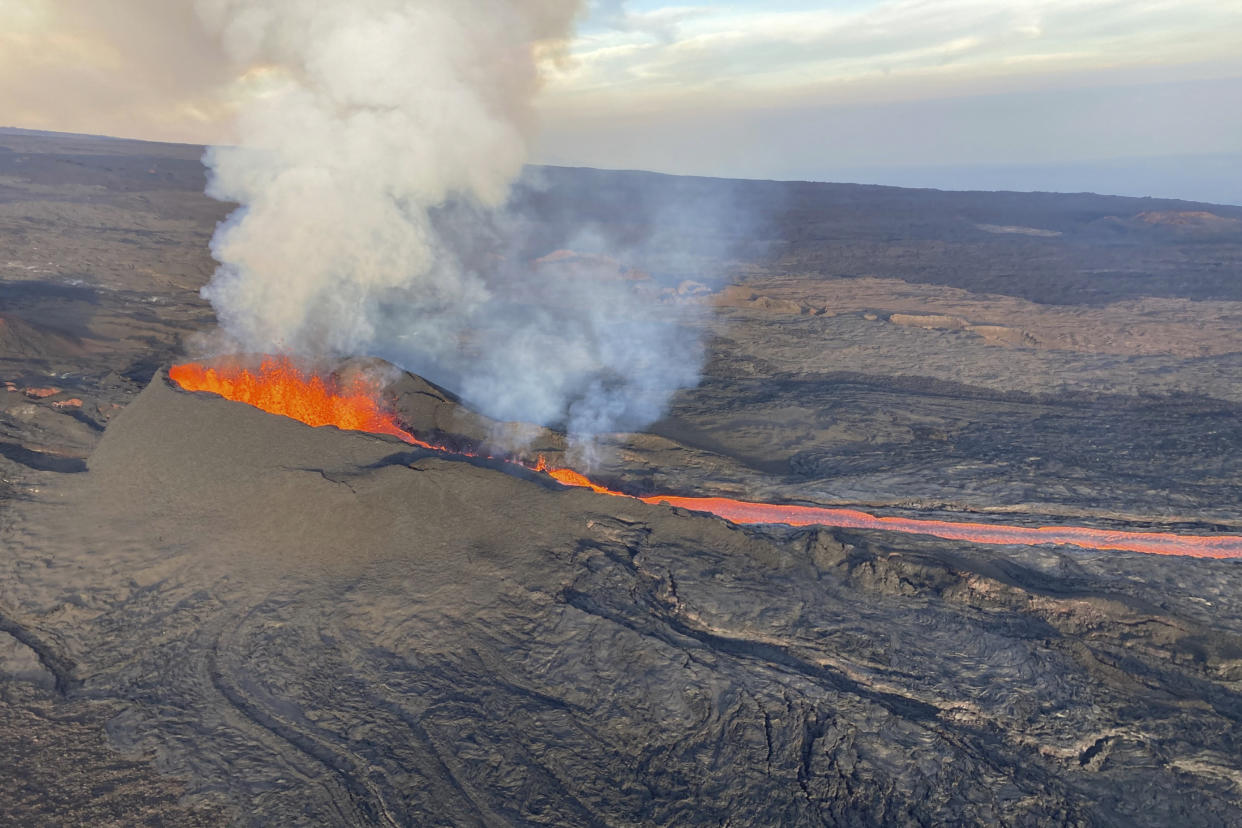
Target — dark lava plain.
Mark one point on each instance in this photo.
(210, 615)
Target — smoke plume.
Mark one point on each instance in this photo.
(376, 157)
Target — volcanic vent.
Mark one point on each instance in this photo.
(353, 400)
(361, 395)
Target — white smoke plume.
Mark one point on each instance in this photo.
(372, 169)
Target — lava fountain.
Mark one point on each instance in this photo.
(279, 387)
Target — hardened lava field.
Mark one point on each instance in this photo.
(210, 614)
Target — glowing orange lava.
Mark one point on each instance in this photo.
(569, 477)
(1154, 543)
(279, 387)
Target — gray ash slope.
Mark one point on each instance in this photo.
(308, 626)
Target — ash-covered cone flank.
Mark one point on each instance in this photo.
(443, 417)
(324, 627)
(282, 489)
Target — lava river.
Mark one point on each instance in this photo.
(279, 387)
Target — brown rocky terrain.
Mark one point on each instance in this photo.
(209, 614)
(1142, 326)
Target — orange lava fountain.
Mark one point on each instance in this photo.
(278, 387)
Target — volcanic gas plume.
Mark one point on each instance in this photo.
(278, 387)
(377, 145)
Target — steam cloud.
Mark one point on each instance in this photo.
(373, 171)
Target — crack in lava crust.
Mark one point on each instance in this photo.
(279, 387)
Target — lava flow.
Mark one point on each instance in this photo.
(278, 387)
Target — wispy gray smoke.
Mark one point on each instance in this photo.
(384, 126)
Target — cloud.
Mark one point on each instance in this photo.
(743, 51)
(378, 217)
(92, 66)
(131, 67)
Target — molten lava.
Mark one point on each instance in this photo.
(278, 387)
(1154, 543)
(569, 477)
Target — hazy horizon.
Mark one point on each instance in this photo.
(1128, 98)
(1114, 177)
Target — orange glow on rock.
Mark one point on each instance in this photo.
(278, 387)
(569, 477)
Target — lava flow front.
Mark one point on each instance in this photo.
(278, 387)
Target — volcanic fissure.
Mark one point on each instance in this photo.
(280, 387)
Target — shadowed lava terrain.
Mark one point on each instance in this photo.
(211, 615)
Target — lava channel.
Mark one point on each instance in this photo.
(279, 387)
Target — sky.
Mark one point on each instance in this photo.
(1137, 97)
